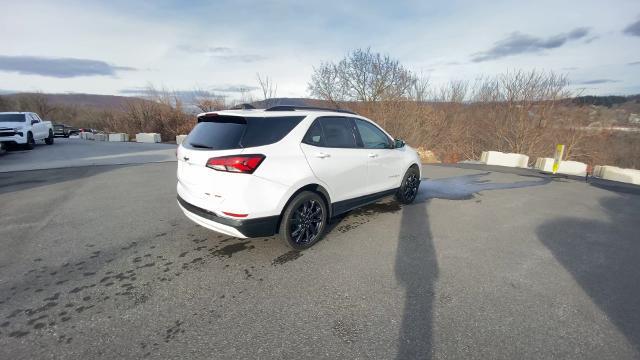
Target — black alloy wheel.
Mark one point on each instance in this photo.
(304, 220)
(409, 188)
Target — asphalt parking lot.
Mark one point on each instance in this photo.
(72, 152)
(99, 262)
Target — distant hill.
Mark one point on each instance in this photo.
(97, 102)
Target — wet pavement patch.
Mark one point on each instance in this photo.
(465, 187)
(229, 250)
(18, 333)
(286, 257)
(364, 214)
(173, 331)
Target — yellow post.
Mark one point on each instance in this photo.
(557, 158)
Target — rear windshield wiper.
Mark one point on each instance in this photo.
(201, 146)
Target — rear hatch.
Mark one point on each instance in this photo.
(215, 161)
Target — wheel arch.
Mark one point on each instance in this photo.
(316, 188)
(418, 167)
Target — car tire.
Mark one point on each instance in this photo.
(304, 220)
(409, 187)
(49, 140)
(31, 143)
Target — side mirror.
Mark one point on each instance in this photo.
(398, 143)
(34, 122)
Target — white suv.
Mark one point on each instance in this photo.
(288, 170)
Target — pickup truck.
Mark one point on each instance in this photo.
(64, 130)
(24, 128)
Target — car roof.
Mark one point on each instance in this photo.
(264, 113)
(15, 112)
(248, 110)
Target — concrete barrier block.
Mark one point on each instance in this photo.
(148, 138)
(504, 159)
(572, 168)
(180, 139)
(566, 167)
(544, 164)
(118, 137)
(100, 137)
(87, 136)
(631, 176)
(597, 171)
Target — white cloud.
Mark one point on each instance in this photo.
(181, 47)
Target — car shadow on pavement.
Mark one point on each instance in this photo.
(603, 256)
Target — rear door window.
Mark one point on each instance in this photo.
(337, 132)
(314, 135)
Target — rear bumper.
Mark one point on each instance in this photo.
(242, 228)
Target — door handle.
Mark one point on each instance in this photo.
(321, 155)
(372, 155)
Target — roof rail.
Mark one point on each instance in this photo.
(295, 107)
(243, 107)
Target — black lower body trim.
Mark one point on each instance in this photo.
(343, 206)
(258, 227)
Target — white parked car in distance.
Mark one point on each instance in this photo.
(288, 170)
(24, 128)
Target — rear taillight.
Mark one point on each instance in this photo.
(235, 215)
(245, 164)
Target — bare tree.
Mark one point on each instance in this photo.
(268, 87)
(245, 97)
(519, 108)
(36, 102)
(362, 76)
(421, 89)
(6, 104)
(207, 101)
(325, 83)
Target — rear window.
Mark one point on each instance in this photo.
(12, 118)
(225, 132)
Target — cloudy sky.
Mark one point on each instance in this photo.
(118, 47)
